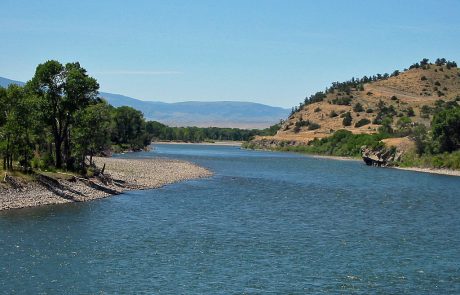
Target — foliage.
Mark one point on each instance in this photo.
(446, 130)
(347, 119)
(358, 108)
(63, 91)
(158, 131)
(342, 101)
(129, 128)
(341, 143)
(92, 131)
(362, 122)
(443, 160)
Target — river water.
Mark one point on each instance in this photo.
(265, 223)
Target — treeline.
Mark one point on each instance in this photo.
(358, 83)
(57, 119)
(159, 131)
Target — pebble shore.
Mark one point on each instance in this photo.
(128, 174)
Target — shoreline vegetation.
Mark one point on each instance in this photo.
(400, 120)
(120, 175)
(221, 143)
(439, 171)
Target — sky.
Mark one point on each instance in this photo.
(271, 52)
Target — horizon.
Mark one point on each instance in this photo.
(264, 52)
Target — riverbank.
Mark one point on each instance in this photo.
(449, 172)
(222, 143)
(124, 175)
(440, 171)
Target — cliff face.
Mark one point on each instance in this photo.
(383, 157)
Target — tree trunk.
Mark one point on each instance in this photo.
(58, 149)
(66, 153)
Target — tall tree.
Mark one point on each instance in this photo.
(446, 129)
(129, 128)
(17, 121)
(63, 90)
(92, 131)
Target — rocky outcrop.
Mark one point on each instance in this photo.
(381, 157)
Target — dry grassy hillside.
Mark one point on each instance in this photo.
(410, 94)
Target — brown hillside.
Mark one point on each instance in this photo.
(414, 88)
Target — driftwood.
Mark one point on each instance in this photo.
(13, 182)
(55, 186)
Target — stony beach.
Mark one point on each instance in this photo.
(125, 174)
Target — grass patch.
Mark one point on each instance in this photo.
(439, 161)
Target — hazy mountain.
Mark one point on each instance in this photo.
(204, 114)
(4, 82)
(197, 113)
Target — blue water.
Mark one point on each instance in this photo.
(265, 223)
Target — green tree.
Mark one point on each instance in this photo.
(446, 130)
(16, 126)
(347, 119)
(92, 131)
(63, 91)
(129, 128)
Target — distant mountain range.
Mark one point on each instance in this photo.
(197, 113)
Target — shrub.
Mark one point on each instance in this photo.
(318, 109)
(394, 97)
(342, 101)
(437, 83)
(333, 114)
(423, 78)
(410, 112)
(369, 111)
(347, 119)
(446, 129)
(362, 122)
(425, 111)
(358, 108)
(313, 126)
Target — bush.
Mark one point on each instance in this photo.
(342, 101)
(423, 78)
(394, 97)
(358, 108)
(369, 111)
(333, 114)
(313, 126)
(347, 119)
(362, 122)
(410, 112)
(342, 143)
(318, 109)
(446, 130)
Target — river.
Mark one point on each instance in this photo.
(265, 223)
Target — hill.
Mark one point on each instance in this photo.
(233, 114)
(368, 103)
(4, 82)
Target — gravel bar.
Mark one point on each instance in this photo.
(127, 174)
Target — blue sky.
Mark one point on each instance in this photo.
(272, 52)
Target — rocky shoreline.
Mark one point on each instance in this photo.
(120, 175)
